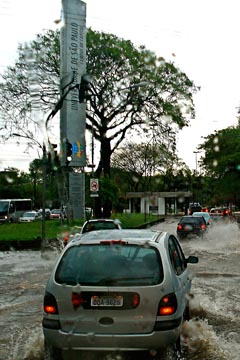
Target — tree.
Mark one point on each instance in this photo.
(133, 90)
(222, 163)
(53, 182)
(15, 184)
(30, 88)
(141, 162)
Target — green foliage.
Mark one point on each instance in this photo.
(132, 220)
(108, 190)
(222, 163)
(15, 184)
(133, 90)
(222, 152)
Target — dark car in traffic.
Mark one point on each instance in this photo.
(220, 213)
(193, 207)
(191, 226)
(236, 217)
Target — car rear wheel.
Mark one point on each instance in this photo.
(186, 315)
(178, 349)
(51, 353)
(172, 352)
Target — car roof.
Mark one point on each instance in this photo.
(103, 220)
(191, 217)
(130, 235)
(199, 213)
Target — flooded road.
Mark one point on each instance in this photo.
(23, 278)
(212, 333)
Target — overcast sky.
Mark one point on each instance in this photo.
(201, 37)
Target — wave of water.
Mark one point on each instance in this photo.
(213, 332)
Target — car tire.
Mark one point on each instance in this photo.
(51, 353)
(171, 352)
(178, 349)
(186, 315)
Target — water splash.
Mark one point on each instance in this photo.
(202, 342)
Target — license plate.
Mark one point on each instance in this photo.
(106, 301)
(188, 228)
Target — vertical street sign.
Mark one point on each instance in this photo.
(73, 113)
(94, 187)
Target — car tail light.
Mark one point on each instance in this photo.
(135, 300)
(167, 305)
(203, 226)
(179, 227)
(77, 299)
(50, 304)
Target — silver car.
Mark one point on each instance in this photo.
(30, 216)
(101, 224)
(124, 290)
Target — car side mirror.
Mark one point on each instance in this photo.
(192, 259)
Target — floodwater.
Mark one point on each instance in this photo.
(213, 333)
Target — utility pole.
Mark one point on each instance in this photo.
(44, 178)
(73, 111)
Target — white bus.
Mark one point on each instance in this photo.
(12, 209)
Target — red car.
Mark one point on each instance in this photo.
(56, 214)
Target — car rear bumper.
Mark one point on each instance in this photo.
(111, 342)
(190, 233)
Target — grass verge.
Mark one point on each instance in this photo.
(54, 228)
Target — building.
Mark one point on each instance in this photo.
(159, 203)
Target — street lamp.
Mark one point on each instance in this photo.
(196, 159)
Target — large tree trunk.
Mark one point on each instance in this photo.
(104, 209)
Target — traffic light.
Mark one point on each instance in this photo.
(84, 86)
(68, 152)
(55, 157)
(54, 150)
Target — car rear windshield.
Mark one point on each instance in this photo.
(193, 219)
(110, 265)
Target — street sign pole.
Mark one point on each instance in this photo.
(94, 187)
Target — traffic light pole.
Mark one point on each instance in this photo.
(44, 178)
